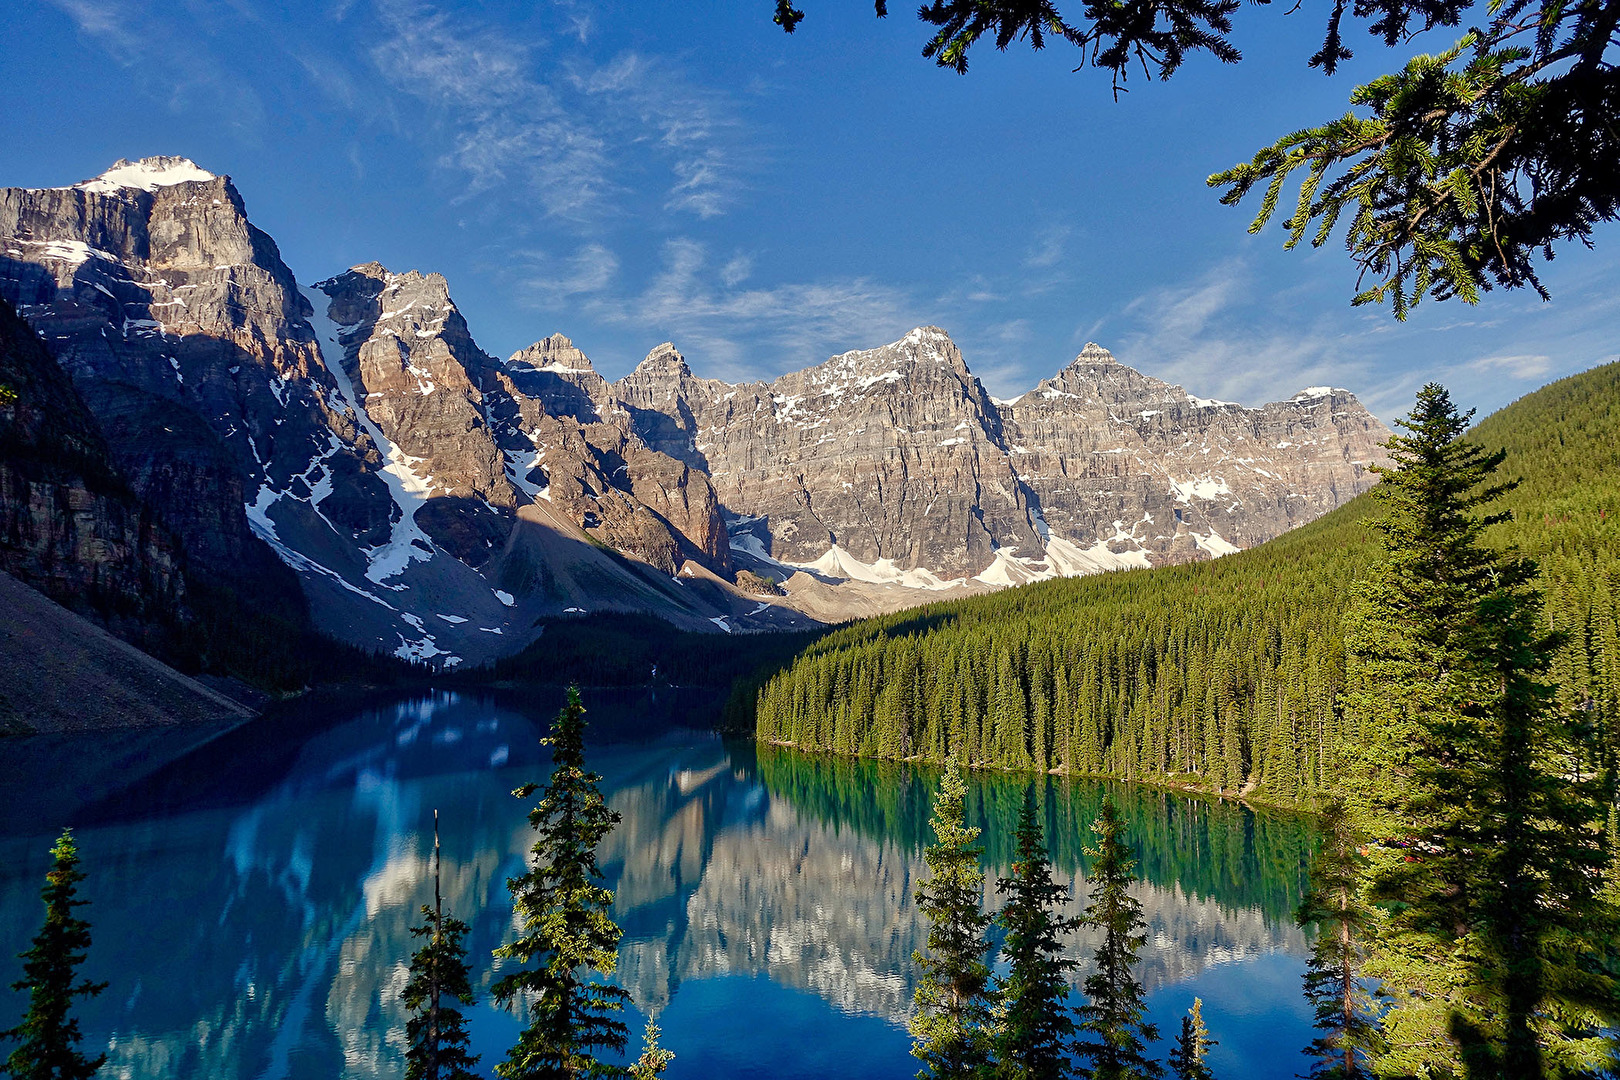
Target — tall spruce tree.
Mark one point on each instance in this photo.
(1542, 925)
(567, 931)
(1113, 1032)
(1034, 1023)
(47, 1039)
(951, 1031)
(1188, 1056)
(1486, 842)
(437, 1030)
(1343, 1008)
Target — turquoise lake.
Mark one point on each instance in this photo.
(251, 890)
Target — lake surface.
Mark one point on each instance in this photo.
(251, 896)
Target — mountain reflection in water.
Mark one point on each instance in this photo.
(251, 898)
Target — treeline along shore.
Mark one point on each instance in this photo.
(1227, 676)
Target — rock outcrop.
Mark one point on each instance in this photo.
(893, 466)
(352, 439)
(180, 328)
(69, 524)
(435, 502)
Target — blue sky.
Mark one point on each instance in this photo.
(627, 173)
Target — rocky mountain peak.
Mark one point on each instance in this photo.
(1093, 354)
(932, 344)
(555, 353)
(664, 361)
(147, 174)
(374, 270)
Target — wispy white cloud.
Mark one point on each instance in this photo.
(544, 280)
(648, 100)
(1216, 338)
(1048, 249)
(505, 127)
(736, 270)
(739, 333)
(1522, 366)
(171, 60)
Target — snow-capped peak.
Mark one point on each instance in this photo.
(1316, 392)
(147, 174)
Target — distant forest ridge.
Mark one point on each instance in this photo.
(1226, 675)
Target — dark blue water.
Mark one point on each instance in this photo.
(251, 896)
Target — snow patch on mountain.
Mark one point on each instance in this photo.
(1215, 544)
(839, 563)
(147, 174)
(408, 543)
(1205, 487)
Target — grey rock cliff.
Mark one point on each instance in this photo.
(180, 327)
(434, 501)
(69, 524)
(889, 460)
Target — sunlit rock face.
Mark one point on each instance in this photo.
(1140, 464)
(888, 454)
(433, 501)
(185, 334)
(351, 437)
(894, 466)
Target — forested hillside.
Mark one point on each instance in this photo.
(1225, 675)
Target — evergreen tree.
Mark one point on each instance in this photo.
(567, 931)
(1487, 844)
(1541, 927)
(1333, 985)
(48, 1036)
(1035, 1026)
(654, 1058)
(1274, 618)
(1114, 1036)
(951, 1031)
(1192, 1046)
(437, 1031)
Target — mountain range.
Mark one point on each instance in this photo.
(438, 503)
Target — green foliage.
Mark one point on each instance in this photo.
(437, 1031)
(1482, 798)
(1227, 675)
(566, 929)
(951, 1030)
(1343, 1008)
(1432, 571)
(1192, 1046)
(1463, 166)
(47, 1038)
(1034, 1024)
(1114, 1035)
(654, 1059)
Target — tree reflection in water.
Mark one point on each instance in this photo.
(251, 897)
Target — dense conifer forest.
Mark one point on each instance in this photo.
(1224, 675)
